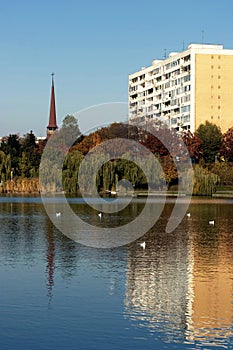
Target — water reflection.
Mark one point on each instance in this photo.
(179, 289)
(181, 285)
(212, 312)
(50, 257)
(157, 282)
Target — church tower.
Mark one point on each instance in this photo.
(52, 114)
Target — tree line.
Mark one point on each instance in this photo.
(211, 153)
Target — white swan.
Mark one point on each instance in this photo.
(143, 245)
(211, 222)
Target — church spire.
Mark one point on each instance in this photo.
(52, 114)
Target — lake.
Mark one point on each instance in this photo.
(177, 293)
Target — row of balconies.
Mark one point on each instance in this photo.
(165, 86)
(166, 111)
(182, 121)
(158, 107)
(165, 76)
(184, 64)
(183, 97)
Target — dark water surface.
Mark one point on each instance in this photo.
(58, 294)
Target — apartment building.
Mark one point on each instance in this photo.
(185, 89)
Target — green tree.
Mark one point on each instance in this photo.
(211, 137)
(11, 146)
(70, 171)
(70, 127)
(2, 166)
(30, 158)
(204, 183)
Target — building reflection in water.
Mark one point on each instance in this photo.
(181, 284)
(212, 308)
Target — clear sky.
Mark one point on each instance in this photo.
(91, 46)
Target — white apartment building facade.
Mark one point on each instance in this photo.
(185, 89)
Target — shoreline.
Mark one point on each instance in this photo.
(140, 195)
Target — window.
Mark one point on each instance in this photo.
(185, 109)
(186, 118)
(156, 71)
(186, 78)
(141, 94)
(133, 88)
(174, 120)
(187, 58)
(186, 88)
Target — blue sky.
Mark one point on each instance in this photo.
(91, 46)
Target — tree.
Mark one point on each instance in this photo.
(224, 170)
(29, 143)
(227, 145)
(11, 147)
(115, 130)
(204, 182)
(193, 144)
(211, 137)
(70, 128)
(30, 158)
(70, 171)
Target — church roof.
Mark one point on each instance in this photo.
(52, 113)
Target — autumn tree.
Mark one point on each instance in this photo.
(193, 144)
(227, 145)
(115, 130)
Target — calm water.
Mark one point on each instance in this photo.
(58, 294)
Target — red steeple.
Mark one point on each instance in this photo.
(52, 115)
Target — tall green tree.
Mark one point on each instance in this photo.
(30, 159)
(70, 128)
(11, 146)
(211, 137)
